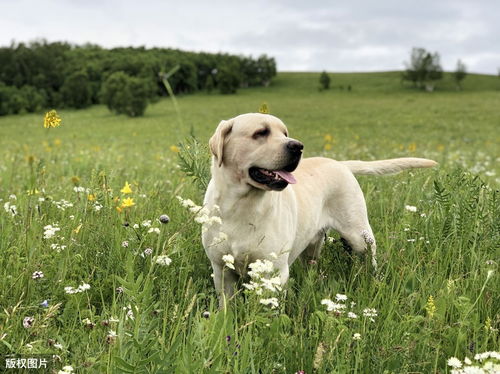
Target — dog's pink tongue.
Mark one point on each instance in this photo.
(286, 176)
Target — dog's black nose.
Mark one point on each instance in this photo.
(295, 146)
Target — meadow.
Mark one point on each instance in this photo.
(107, 288)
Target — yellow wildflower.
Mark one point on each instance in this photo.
(126, 189)
(77, 229)
(327, 147)
(57, 142)
(440, 147)
(75, 180)
(174, 148)
(127, 203)
(51, 119)
(264, 108)
(33, 191)
(430, 307)
(412, 147)
(328, 138)
(90, 197)
(119, 209)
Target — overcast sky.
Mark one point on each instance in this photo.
(307, 35)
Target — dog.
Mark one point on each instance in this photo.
(268, 213)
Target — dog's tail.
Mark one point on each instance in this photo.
(392, 166)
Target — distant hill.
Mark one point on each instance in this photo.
(388, 81)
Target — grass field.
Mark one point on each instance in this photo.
(436, 295)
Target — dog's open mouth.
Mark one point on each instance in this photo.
(274, 179)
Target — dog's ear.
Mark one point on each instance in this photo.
(216, 142)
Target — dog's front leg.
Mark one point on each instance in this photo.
(224, 280)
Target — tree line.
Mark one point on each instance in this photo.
(40, 75)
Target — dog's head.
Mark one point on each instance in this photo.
(256, 150)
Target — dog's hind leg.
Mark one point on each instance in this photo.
(225, 281)
(361, 239)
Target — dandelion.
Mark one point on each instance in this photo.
(127, 203)
(356, 336)
(37, 275)
(28, 322)
(126, 189)
(271, 302)
(411, 208)
(163, 260)
(51, 119)
(228, 261)
(454, 362)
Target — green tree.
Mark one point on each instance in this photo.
(424, 69)
(324, 81)
(124, 94)
(76, 91)
(209, 84)
(228, 79)
(35, 99)
(459, 74)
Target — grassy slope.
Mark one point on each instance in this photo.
(378, 119)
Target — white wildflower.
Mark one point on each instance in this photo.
(332, 306)
(340, 297)
(411, 208)
(146, 223)
(352, 315)
(155, 230)
(454, 362)
(12, 209)
(50, 231)
(28, 322)
(356, 336)
(163, 260)
(228, 261)
(37, 275)
(272, 302)
(370, 312)
(12, 197)
(260, 267)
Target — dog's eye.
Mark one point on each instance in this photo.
(261, 133)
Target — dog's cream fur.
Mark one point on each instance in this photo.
(281, 225)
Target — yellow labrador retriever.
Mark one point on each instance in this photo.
(275, 206)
